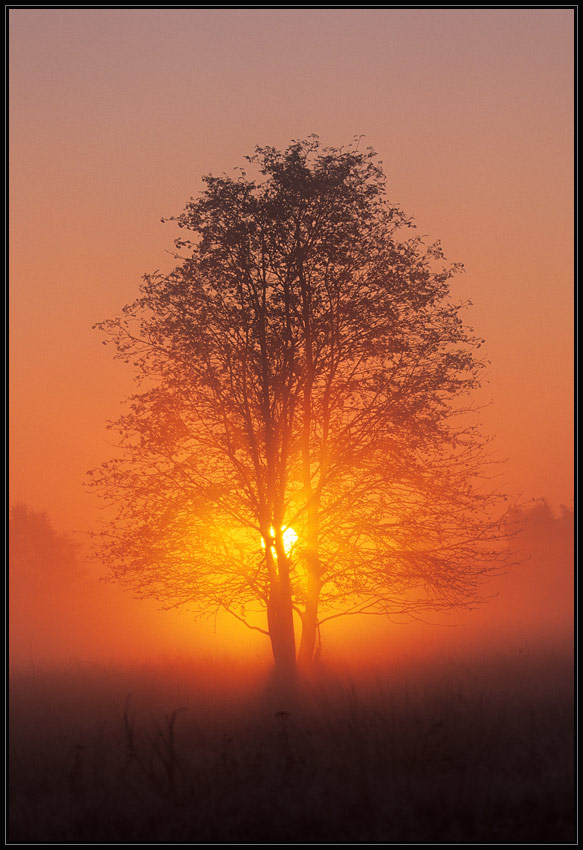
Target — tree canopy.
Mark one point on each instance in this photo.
(300, 439)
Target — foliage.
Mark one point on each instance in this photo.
(302, 366)
(40, 559)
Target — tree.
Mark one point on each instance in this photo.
(41, 561)
(300, 439)
(47, 586)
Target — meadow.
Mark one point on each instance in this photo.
(473, 751)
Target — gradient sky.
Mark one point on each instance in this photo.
(115, 114)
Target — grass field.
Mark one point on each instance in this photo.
(456, 752)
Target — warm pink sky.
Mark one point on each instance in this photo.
(115, 114)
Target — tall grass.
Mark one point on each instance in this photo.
(480, 753)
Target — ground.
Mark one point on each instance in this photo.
(458, 752)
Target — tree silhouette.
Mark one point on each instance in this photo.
(41, 561)
(302, 367)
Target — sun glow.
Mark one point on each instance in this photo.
(289, 537)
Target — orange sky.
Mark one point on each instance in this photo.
(115, 114)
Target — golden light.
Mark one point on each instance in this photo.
(289, 537)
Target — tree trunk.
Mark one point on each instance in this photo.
(281, 632)
(309, 625)
(314, 583)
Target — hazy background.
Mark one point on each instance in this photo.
(114, 116)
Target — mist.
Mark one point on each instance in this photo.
(64, 612)
(128, 723)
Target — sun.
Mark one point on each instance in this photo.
(290, 538)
